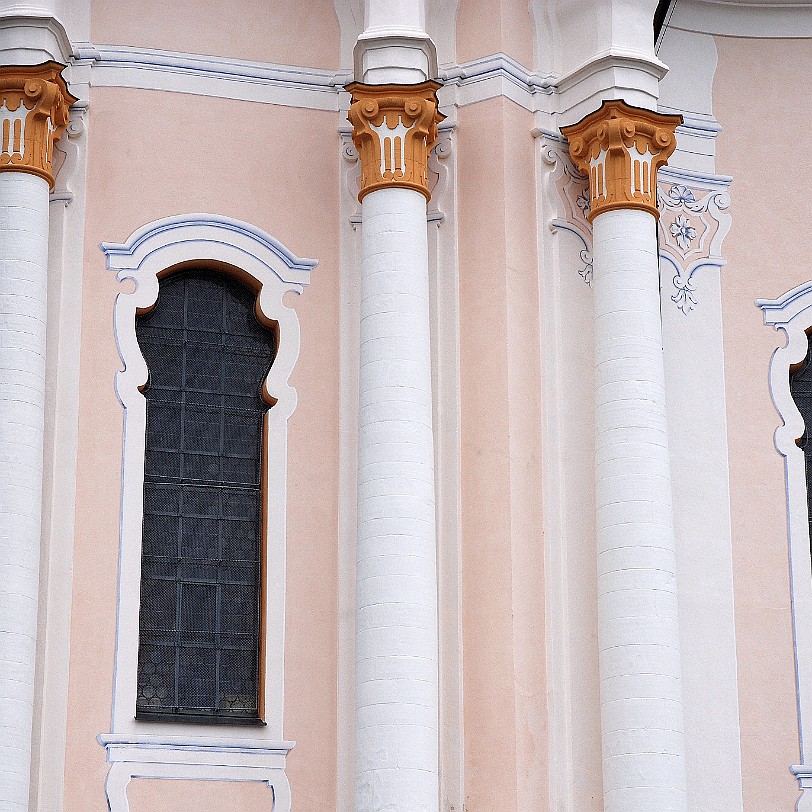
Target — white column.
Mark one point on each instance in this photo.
(638, 635)
(620, 148)
(397, 705)
(23, 285)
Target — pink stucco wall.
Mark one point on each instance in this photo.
(757, 92)
(485, 27)
(148, 159)
(285, 32)
(504, 681)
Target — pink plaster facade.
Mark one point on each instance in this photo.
(513, 353)
(269, 195)
(766, 258)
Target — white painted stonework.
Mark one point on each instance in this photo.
(396, 636)
(638, 624)
(23, 294)
(132, 744)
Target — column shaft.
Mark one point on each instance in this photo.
(23, 286)
(396, 618)
(619, 148)
(638, 634)
(34, 103)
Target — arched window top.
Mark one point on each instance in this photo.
(159, 257)
(206, 240)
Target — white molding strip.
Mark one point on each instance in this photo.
(194, 758)
(783, 19)
(291, 85)
(150, 69)
(492, 76)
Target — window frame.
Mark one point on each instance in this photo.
(792, 313)
(256, 259)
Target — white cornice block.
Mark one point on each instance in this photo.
(616, 73)
(30, 35)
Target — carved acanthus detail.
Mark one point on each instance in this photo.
(34, 112)
(394, 128)
(620, 148)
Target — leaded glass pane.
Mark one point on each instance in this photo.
(199, 623)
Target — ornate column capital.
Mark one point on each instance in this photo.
(620, 148)
(394, 127)
(34, 102)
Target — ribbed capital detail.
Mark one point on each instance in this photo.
(34, 102)
(394, 127)
(620, 148)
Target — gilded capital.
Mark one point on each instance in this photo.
(620, 148)
(34, 102)
(394, 128)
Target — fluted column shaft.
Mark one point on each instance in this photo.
(396, 656)
(33, 113)
(620, 149)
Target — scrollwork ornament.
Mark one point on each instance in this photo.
(694, 221)
(394, 129)
(571, 189)
(620, 148)
(34, 113)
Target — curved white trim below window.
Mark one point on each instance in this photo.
(792, 313)
(172, 750)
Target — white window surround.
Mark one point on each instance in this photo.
(197, 751)
(792, 313)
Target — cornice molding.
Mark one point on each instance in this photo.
(784, 19)
(468, 83)
(151, 69)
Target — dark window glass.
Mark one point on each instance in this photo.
(800, 384)
(198, 655)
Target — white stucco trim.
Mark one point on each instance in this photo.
(148, 253)
(194, 758)
(471, 82)
(154, 69)
(30, 35)
(792, 313)
(734, 18)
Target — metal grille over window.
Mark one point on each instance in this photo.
(199, 626)
(800, 384)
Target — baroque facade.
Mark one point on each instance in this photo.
(403, 406)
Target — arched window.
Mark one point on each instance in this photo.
(791, 389)
(207, 348)
(199, 623)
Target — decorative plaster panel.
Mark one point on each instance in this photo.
(694, 221)
(573, 191)
(694, 218)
